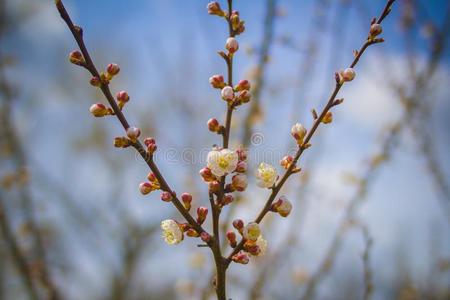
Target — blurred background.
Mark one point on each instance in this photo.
(371, 206)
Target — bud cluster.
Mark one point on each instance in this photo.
(254, 243)
(150, 186)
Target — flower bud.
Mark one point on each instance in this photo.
(202, 212)
(151, 145)
(186, 198)
(235, 20)
(251, 231)
(243, 85)
(252, 249)
(298, 132)
(216, 81)
(121, 142)
(205, 237)
(241, 167)
(286, 161)
(239, 182)
(328, 118)
(242, 154)
(282, 206)
(214, 186)
(240, 28)
(133, 133)
(99, 110)
(244, 97)
(214, 9)
(347, 75)
(207, 175)
(166, 196)
(145, 188)
(95, 81)
(77, 58)
(112, 69)
(227, 94)
(192, 233)
(241, 258)
(231, 237)
(213, 125)
(232, 45)
(152, 178)
(238, 224)
(227, 199)
(122, 97)
(148, 141)
(375, 29)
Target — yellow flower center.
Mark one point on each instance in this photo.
(223, 162)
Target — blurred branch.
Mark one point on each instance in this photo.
(259, 80)
(134, 243)
(11, 141)
(16, 253)
(368, 280)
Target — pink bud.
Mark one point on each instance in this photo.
(298, 131)
(95, 81)
(375, 30)
(241, 167)
(77, 58)
(213, 125)
(202, 212)
(133, 133)
(214, 186)
(205, 237)
(122, 97)
(207, 175)
(151, 145)
(243, 85)
(113, 69)
(244, 96)
(282, 206)
(242, 154)
(145, 188)
(286, 161)
(227, 93)
(253, 249)
(232, 45)
(186, 198)
(227, 199)
(99, 110)
(166, 196)
(241, 258)
(217, 81)
(214, 9)
(152, 177)
(148, 141)
(238, 224)
(348, 74)
(231, 237)
(239, 182)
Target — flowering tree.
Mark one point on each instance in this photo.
(222, 162)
